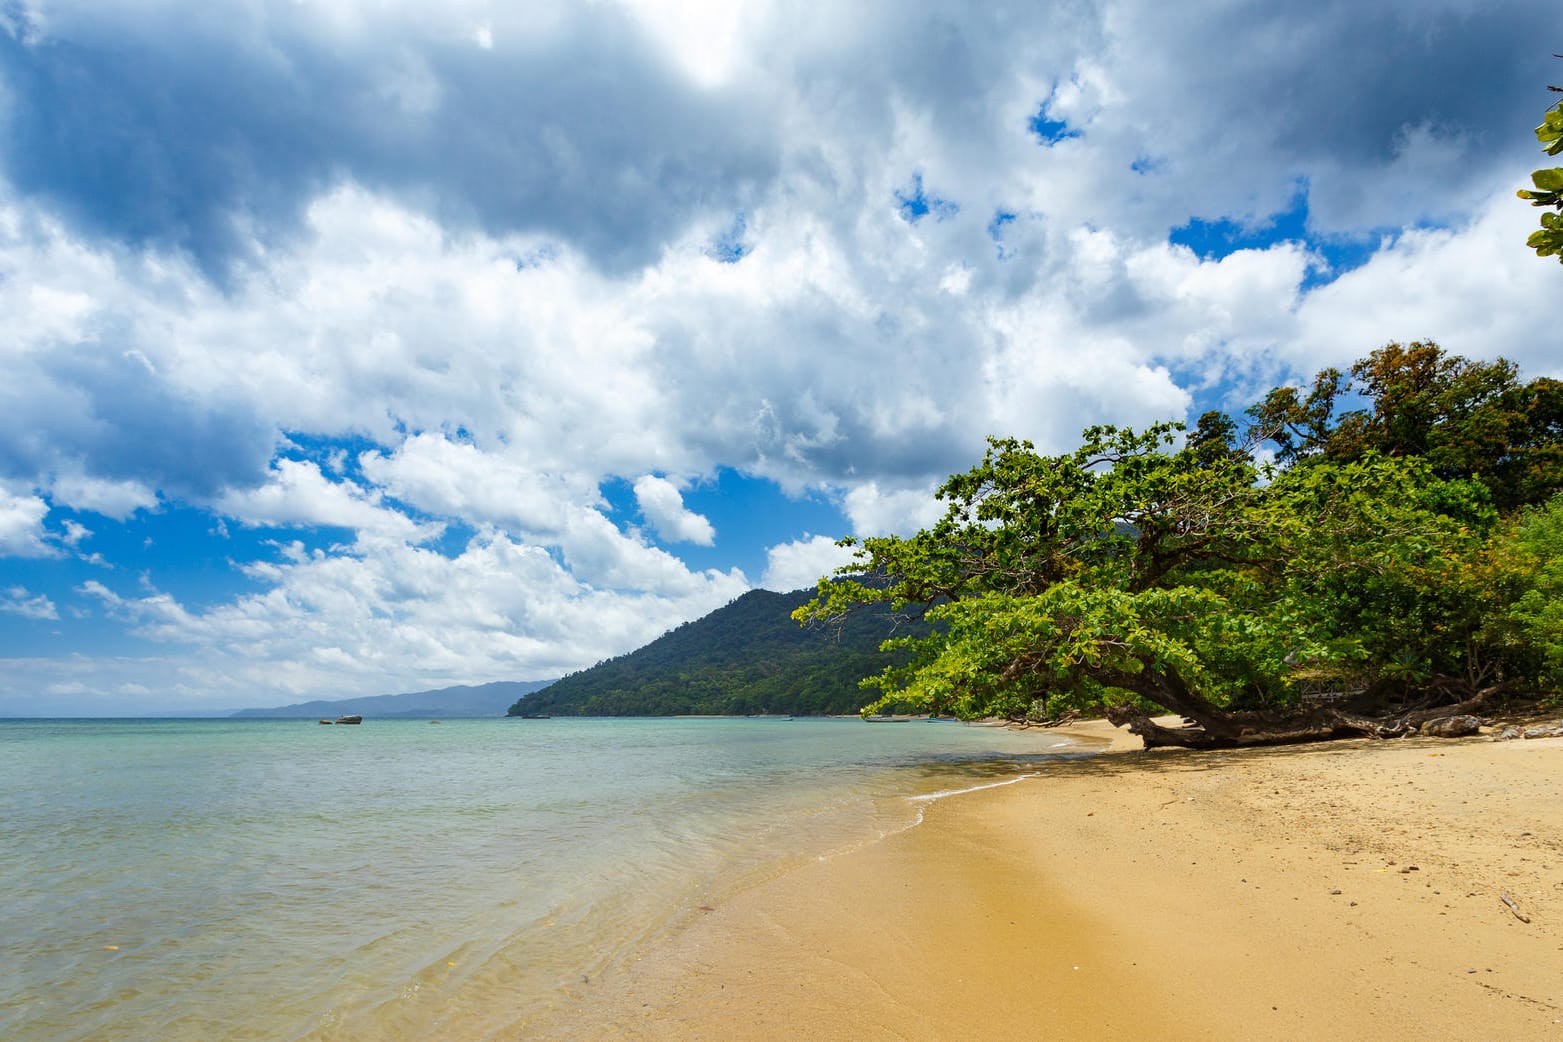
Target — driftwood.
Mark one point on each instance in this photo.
(1514, 908)
(1024, 722)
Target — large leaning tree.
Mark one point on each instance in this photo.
(1154, 573)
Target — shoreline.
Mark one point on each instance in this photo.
(1341, 890)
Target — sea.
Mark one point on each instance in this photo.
(277, 880)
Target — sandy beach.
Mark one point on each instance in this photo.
(1350, 890)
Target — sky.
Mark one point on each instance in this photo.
(364, 346)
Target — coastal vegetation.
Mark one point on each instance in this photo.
(747, 658)
(1366, 555)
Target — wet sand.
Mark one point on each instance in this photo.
(1346, 890)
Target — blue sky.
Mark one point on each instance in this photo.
(363, 347)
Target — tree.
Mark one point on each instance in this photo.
(1548, 191)
(1148, 577)
(1468, 419)
(1535, 617)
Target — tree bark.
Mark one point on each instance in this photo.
(1207, 726)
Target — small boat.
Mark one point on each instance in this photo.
(349, 719)
(328, 722)
(536, 716)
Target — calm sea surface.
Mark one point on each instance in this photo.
(279, 880)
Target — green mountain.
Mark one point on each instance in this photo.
(747, 658)
(450, 702)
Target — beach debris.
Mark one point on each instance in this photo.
(1452, 726)
(1521, 916)
(1509, 734)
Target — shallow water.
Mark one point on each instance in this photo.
(279, 880)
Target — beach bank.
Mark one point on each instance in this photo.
(1343, 890)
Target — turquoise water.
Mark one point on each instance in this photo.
(279, 880)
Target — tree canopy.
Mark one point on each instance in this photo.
(1467, 419)
(1381, 575)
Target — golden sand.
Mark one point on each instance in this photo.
(1352, 890)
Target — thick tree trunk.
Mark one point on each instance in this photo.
(1228, 731)
(1207, 726)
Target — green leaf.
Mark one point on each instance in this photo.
(1550, 133)
(1548, 180)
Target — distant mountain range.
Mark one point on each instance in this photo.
(446, 702)
(744, 659)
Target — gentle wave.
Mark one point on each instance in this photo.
(930, 796)
(277, 881)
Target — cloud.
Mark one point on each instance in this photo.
(115, 499)
(874, 511)
(802, 563)
(664, 509)
(21, 525)
(441, 276)
(1467, 287)
(18, 600)
(118, 403)
(456, 479)
(498, 490)
(299, 494)
(178, 128)
(1381, 138)
(400, 617)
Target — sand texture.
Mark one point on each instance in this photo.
(1342, 891)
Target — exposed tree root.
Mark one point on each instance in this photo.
(1207, 726)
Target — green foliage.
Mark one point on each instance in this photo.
(1385, 561)
(1066, 578)
(744, 659)
(1548, 190)
(1534, 549)
(1189, 580)
(1468, 419)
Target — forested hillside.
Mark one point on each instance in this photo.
(746, 658)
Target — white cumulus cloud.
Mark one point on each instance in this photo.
(22, 533)
(802, 562)
(663, 506)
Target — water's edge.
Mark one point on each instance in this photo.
(277, 880)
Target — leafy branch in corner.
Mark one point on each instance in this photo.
(1548, 191)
